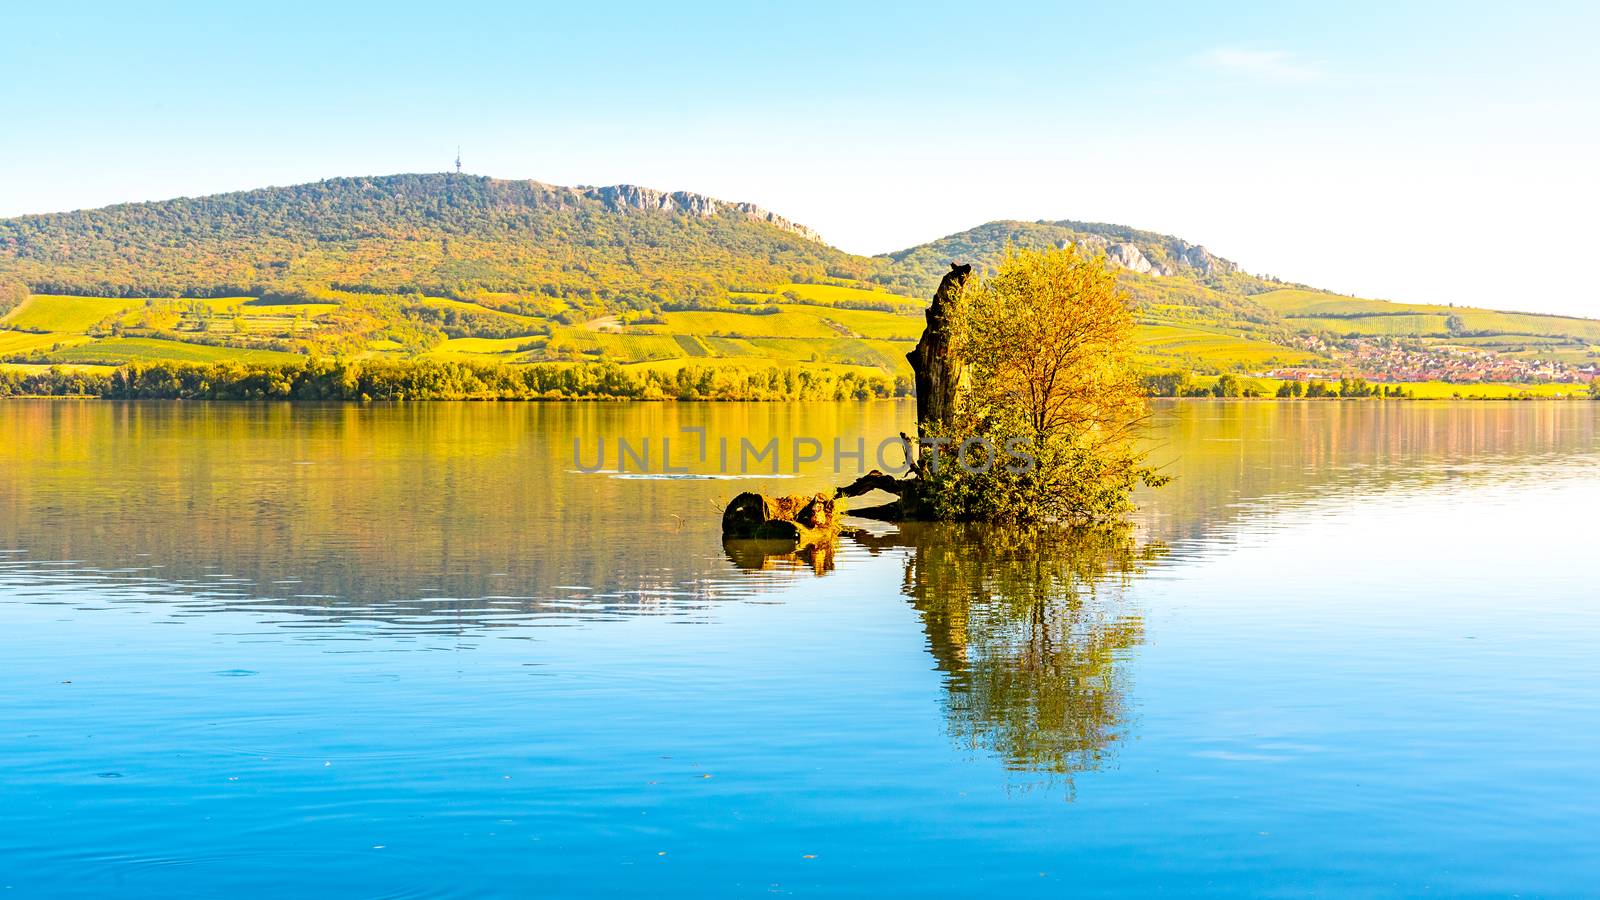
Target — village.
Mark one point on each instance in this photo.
(1388, 360)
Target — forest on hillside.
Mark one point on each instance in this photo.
(448, 235)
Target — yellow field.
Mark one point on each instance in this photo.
(619, 348)
(753, 364)
(31, 369)
(822, 337)
(13, 342)
(832, 293)
(502, 349)
(48, 312)
(1379, 325)
(792, 321)
(1355, 315)
(117, 351)
(788, 323)
(1319, 303)
(865, 323)
(1191, 346)
(884, 355)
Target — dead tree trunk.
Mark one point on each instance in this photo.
(937, 371)
(938, 377)
(802, 520)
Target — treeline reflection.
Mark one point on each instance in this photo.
(1232, 458)
(445, 508)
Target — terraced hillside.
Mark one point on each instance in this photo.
(781, 331)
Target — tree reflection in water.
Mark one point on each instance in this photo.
(1028, 627)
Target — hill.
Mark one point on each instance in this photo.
(468, 268)
(450, 235)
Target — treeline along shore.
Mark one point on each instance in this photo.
(360, 380)
(332, 379)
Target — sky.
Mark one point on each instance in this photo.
(1424, 152)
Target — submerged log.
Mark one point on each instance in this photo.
(874, 481)
(908, 503)
(798, 518)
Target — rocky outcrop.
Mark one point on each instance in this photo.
(1199, 258)
(1132, 258)
(632, 196)
(1172, 256)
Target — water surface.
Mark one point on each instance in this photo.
(414, 651)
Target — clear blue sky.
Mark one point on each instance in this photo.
(1426, 152)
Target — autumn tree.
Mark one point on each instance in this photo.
(1046, 345)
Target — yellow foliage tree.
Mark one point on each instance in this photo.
(1047, 343)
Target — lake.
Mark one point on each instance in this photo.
(418, 651)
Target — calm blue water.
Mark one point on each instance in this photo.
(408, 651)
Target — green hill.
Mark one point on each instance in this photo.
(464, 267)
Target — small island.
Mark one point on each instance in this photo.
(1027, 408)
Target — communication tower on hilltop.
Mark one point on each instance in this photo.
(458, 159)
